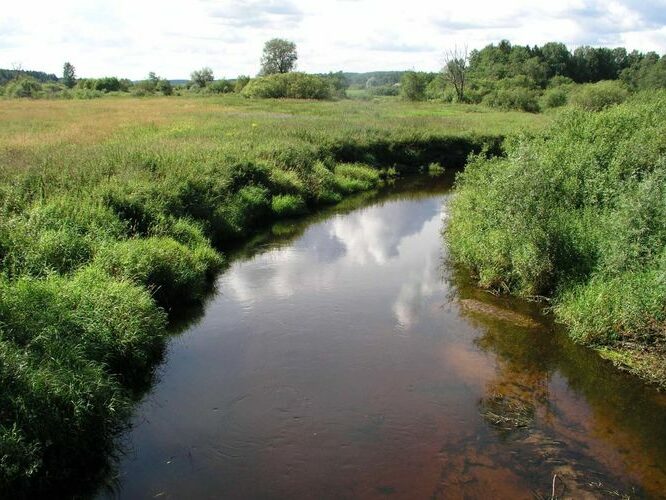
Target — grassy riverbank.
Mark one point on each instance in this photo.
(114, 213)
(577, 214)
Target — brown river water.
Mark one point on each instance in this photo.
(342, 356)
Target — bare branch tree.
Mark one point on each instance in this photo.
(455, 69)
(17, 68)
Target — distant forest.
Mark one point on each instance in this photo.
(10, 74)
(502, 75)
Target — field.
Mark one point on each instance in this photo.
(116, 213)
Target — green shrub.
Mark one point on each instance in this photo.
(164, 87)
(53, 90)
(519, 98)
(266, 87)
(86, 94)
(577, 213)
(220, 87)
(240, 83)
(598, 96)
(107, 84)
(413, 85)
(288, 85)
(437, 89)
(23, 87)
(554, 97)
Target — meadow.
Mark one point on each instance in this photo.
(115, 214)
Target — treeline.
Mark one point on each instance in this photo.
(373, 78)
(282, 85)
(7, 75)
(502, 75)
(534, 78)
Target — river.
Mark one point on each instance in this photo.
(342, 356)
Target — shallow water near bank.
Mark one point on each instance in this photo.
(342, 356)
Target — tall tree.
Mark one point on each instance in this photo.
(455, 70)
(68, 75)
(279, 56)
(202, 77)
(557, 57)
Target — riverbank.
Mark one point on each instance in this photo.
(114, 213)
(577, 215)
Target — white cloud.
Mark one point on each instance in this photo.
(172, 37)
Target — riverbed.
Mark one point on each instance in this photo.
(343, 356)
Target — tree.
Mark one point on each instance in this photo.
(557, 57)
(202, 77)
(373, 81)
(413, 85)
(279, 56)
(164, 86)
(455, 70)
(68, 75)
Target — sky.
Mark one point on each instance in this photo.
(129, 38)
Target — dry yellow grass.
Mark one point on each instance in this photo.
(27, 123)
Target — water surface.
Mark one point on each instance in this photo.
(343, 357)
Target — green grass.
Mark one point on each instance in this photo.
(578, 213)
(114, 212)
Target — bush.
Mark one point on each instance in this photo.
(220, 87)
(519, 98)
(288, 85)
(86, 94)
(23, 87)
(106, 84)
(53, 90)
(437, 89)
(413, 85)
(598, 96)
(577, 213)
(164, 87)
(240, 83)
(554, 97)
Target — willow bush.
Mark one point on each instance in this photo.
(576, 213)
